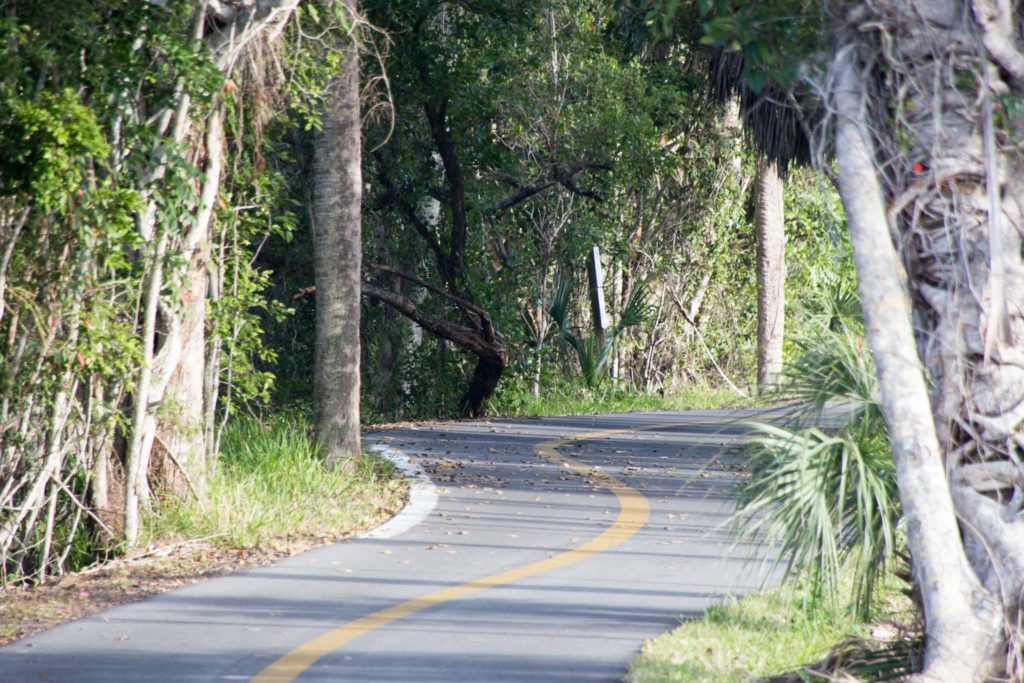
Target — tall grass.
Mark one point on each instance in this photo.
(270, 482)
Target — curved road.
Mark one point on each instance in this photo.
(556, 547)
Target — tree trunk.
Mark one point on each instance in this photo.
(179, 455)
(964, 624)
(771, 273)
(337, 245)
(485, 380)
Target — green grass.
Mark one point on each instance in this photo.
(514, 398)
(269, 483)
(766, 633)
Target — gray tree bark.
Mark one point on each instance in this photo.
(180, 457)
(769, 227)
(337, 199)
(963, 624)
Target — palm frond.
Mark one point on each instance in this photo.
(559, 309)
(827, 501)
(592, 356)
(835, 365)
(637, 310)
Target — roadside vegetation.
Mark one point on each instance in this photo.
(271, 485)
(822, 502)
(270, 495)
(774, 635)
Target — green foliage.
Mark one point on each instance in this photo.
(44, 141)
(829, 501)
(85, 148)
(774, 37)
(270, 483)
(826, 501)
(593, 354)
(760, 635)
(312, 55)
(654, 183)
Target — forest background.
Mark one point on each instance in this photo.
(198, 200)
(157, 183)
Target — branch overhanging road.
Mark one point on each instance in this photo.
(556, 547)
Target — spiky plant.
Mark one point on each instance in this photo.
(828, 499)
(593, 356)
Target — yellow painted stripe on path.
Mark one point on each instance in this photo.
(634, 511)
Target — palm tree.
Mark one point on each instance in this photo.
(337, 261)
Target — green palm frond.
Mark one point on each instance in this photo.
(835, 365)
(835, 304)
(828, 502)
(593, 360)
(560, 304)
(637, 310)
(592, 356)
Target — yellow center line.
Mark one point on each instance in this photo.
(634, 511)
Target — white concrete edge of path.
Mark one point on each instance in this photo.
(422, 495)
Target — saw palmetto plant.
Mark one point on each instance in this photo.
(592, 353)
(826, 497)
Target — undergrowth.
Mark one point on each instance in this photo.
(270, 482)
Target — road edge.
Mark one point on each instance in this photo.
(422, 495)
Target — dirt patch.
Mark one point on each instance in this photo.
(25, 611)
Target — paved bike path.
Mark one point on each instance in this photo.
(501, 507)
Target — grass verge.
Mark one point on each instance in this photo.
(569, 398)
(270, 483)
(763, 634)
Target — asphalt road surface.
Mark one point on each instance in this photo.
(555, 548)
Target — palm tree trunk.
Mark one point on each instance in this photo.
(337, 245)
(771, 273)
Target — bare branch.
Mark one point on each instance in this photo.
(457, 300)
(558, 175)
(521, 195)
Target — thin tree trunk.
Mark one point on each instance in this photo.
(541, 319)
(181, 433)
(211, 379)
(179, 460)
(337, 197)
(140, 407)
(771, 273)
